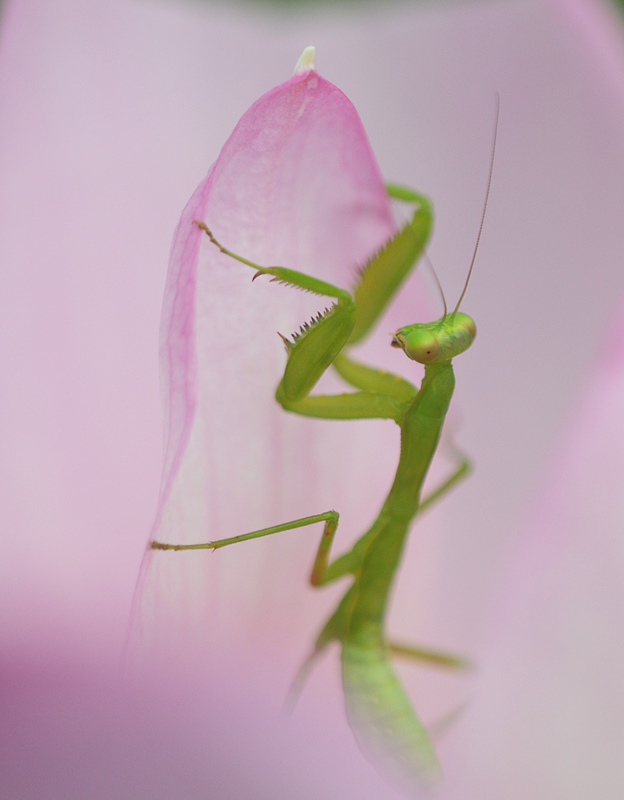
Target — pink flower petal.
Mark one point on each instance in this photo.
(296, 184)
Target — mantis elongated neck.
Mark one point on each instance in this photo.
(420, 432)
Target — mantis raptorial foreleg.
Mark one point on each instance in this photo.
(384, 273)
(374, 380)
(317, 346)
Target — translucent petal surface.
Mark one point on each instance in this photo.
(295, 184)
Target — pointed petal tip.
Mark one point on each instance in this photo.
(306, 61)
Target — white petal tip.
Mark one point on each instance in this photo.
(306, 61)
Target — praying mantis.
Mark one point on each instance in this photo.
(378, 708)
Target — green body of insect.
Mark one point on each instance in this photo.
(378, 708)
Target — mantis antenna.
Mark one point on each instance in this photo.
(487, 194)
(437, 280)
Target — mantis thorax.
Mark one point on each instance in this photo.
(435, 342)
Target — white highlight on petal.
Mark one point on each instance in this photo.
(306, 61)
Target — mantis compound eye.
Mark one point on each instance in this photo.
(422, 346)
(420, 343)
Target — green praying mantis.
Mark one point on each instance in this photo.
(382, 718)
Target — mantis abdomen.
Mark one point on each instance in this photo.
(381, 716)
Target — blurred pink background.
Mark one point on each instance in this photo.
(111, 115)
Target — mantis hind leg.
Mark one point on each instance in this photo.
(462, 470)
(435, 658)
(322, 571)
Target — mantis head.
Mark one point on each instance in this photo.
(434, 342)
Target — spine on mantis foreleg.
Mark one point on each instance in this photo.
(382, 718)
